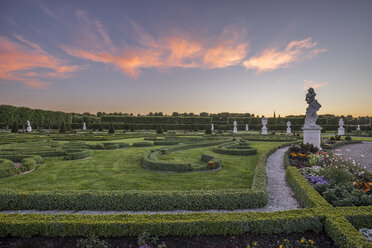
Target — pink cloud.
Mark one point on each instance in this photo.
(272, 58)
(313, 84)
(19, 61)
(174, 49)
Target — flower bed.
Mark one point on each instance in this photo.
(340, 182)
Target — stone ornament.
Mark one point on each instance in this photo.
(84, 126)
(341, 129)
(289, 127)
(246, 127)
(314, 106)
(235, 128)
(212, 127)
(29, 128)
(264, 123)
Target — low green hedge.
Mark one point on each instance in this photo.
(79, 155)
(28, 164)
(242, 149)
(344, 233)
(142, 144)
(152, 160)
(305, 193)
(109, 145)
(18, 156)
(27, 225)
(7, 168)
(166, 142)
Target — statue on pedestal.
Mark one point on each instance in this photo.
(264, 128)
(289, 131)
(235, 128)
(314, 106)
(29, 128)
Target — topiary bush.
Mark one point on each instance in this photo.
(7, 168)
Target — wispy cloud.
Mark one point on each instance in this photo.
(272, 58)
(160, 52)
(313, 84)
(27, 62)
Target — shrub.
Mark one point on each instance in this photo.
(98, 146)
(347, 138)
(142, 143)
(28, 164)
(62, 128)
(337, 175)
(15, 127)
(111, 129)
(7, 168)
(159, 130)
(208, 130)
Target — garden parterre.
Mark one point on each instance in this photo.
(341, 223)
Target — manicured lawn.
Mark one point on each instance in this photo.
(121, 170)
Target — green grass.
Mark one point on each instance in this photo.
(121, 170)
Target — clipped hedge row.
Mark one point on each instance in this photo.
(166, 142)
(235, 149)
(78, 155)
(142, 143)
(27, 225)
(152, 160)
(18, 156)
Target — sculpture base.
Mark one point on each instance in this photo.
(29, 129)
(264, 130)
(341, 131)
(289, 131)
(312, 135)
(235, 130)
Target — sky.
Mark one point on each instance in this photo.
(187, 56)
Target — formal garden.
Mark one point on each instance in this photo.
(110, 186)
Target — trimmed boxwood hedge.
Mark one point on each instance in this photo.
(27, 225)
(78, 154)
(166, 142)
(142, 143)
(235, 148)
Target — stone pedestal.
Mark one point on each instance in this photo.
(341, 131)
(264, 130)
(289, 131)
(29, 129)
(235, 130)
(312, 135)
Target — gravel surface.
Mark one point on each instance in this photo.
(281, 196)
(361, 153)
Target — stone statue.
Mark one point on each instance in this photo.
(29, 128)
(264, 128)
(246, 127)
(341, 122)
(235, 128)
(84, 126)
(314, 106)
(212, 127)
(341, 129)
(358, 128)
(289, 131)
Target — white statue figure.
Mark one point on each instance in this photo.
(311, 130)
(84, 126)
(341, 129)
(212, 127)
(289, 131)
(29, 128)
(358, 128)
(235, 128)
(314, 106)
(246, 127)
(264, 128)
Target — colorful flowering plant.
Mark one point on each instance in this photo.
(314, 180)
(366, 187)
(212, 165)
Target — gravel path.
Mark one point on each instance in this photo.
(361, 153)
(281, 196)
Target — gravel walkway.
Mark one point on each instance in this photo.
(281, 196)
(361, 153)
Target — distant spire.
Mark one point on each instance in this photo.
(274, 114)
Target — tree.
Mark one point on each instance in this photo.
(15, 127)
(62, 127)
(132, 128)
(111, 129)
(159, 130)
(175, 114)
(204, 114)
(165, 128)
(100, 128)
(208, 130)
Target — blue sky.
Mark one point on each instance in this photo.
(186, 56)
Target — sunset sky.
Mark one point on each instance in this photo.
(186, 56)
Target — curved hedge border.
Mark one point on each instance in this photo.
(78, 154)
(7, 168)
(143, 144)
(152, 160)
(241, 148)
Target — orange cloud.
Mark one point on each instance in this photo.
(313, 84)
(19, 61)
(272, 59)
(168, 51)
